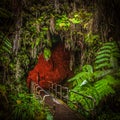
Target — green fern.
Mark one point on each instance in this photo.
(100, 83)
(104, 51)
(97, 90)
(103, 65)
(6, 45)
(5, 49)
(107, 57)
(87, 68)
(101, 60)
(107, 45)
(85, 74)
(102, 56)
(100, 74)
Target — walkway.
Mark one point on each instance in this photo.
(60, 110)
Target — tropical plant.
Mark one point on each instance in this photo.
(26, 106)
(90, 38)
(5, 46)
(5, 52)
(107, 57)
(62, 23)
(85, 75)
(97, 83)
(47, 53)
(97, 91)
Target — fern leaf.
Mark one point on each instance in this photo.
(87, 68)
(106, 47)
(100, 66)
(104, 86)
(100, 74)
(114, 62)
(101, 60)
(8, 44)
(104, 51)
(80, 77)
(109, 44)
(103, 55)
(6, 49)
(75, 78)
(107, 56)
(106, 91)
(108, 80)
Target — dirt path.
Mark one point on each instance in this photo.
(60, 110)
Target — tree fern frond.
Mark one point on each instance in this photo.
(8, 43)
(5, 49)
(107, 57)
(107, 91)
(101, 60)
(77, 76)
(100, 74)
(86, 73)
(87, 68)
(104, 51)
(97, 90)
(100, 66)
(109, 43)
(106, 47)
(103, 55)
(108, 80)
(103, 83)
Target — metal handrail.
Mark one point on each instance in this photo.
(62, 92)
(41, 89)
(66, 99)
(54, 87)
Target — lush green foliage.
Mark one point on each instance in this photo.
(47, 53)
(107, 57)
(23, 106)
(77, 26)
(5, 48)
(91, 38)
(62, 23)
(26, 106)
(97, 83)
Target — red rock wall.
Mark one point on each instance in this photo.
(56, 69)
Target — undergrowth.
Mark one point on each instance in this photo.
(97, 82)
(17, 104)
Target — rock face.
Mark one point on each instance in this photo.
(56, 69)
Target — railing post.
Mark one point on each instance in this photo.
(55, 90)
(60, 92)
